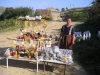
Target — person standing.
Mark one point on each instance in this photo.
(67, 35)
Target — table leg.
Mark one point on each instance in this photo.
(7, 62)
(37, 66)
(64, 69)
(44, 66)
(47, 63)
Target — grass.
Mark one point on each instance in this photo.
(87, 52)
(15, 27)
(10, 28)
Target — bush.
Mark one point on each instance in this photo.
(77, 16)
(8, 23)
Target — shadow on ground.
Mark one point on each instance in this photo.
(87, 54)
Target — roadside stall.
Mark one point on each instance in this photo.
(37, 47)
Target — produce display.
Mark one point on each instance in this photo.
(27, 44)
(37, 46)
(55, 53)
(21, 51)
(45, 53)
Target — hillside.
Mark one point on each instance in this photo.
(2, 9)
(79, 9)
(76, 10)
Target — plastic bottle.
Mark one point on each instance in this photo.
(84, 36)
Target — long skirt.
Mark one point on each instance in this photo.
(66, 42)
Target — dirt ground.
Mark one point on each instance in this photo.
(29, 68)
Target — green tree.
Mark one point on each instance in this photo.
(63, 9)
(9, 12)
(94, 15)
(66, 8)
(15, 12)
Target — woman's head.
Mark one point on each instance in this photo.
(69, 21)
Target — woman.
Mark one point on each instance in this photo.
(67, 36)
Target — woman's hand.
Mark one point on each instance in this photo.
(73, 42)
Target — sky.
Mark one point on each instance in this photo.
(43, 4)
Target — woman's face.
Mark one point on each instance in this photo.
(69, 21)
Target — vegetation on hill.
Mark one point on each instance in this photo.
(9, 16)
(76, 16)
(16, 12)
(76, 13)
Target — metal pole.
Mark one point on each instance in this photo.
(44, 66)
(37, 60)
(37, 65)
(37, 54)
(7, 62)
